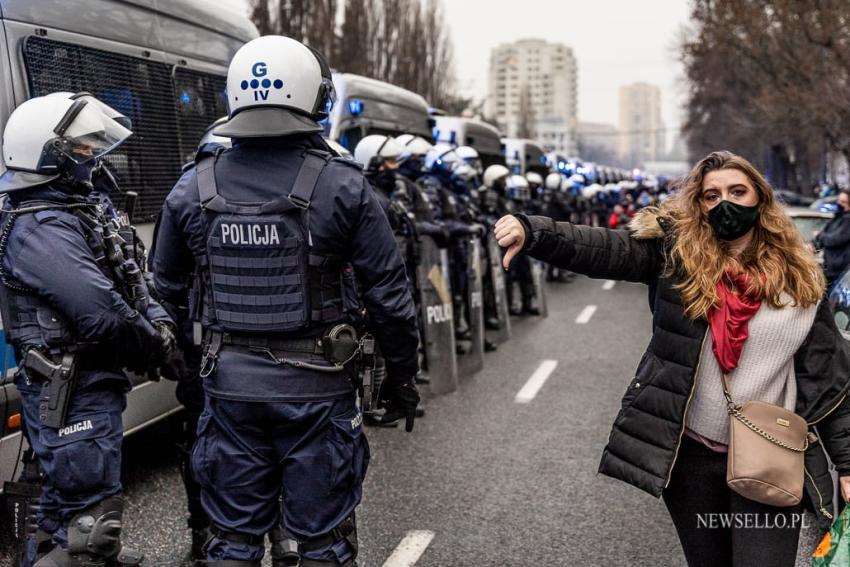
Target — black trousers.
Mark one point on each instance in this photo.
(719, 528)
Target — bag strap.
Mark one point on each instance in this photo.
(735, 412)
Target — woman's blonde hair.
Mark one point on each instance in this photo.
(776, 260)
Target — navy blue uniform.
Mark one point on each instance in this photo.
(74, 307)
(273, 430)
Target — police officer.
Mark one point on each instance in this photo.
(439, 184)
(535, 204)
(557, 205)
(76, 310)
(520, 272)
(270, 239)
(491, 204)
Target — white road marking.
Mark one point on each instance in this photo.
(608, 285)
(410, 549)
(585, 315)
(527, 393)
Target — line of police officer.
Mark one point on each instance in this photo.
(276, 271)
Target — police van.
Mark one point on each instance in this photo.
(523, 155)
(464, 131)
(163, 64)
(367, 106)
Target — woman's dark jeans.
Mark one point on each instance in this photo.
(719, 528)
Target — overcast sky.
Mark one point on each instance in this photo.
(616, 42)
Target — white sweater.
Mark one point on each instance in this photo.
(765, 370)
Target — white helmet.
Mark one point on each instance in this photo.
(341, 150)
(471, 157)
(414, 145)
(554, 181)
(44, 133)
(534, 177)
(517, 187)
(494, 173)
(276, 86)
(209, 136)
(373, 150)
(578, 179)
(441, 156)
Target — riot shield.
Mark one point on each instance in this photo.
(538, 270)
(496, 275)
(473, 360)
(440, 362)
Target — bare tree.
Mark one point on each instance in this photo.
(404, 42)
(768, 79)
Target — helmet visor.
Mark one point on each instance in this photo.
(105, 108)
(86, 132)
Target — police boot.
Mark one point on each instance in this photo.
(94, 539)
(199, 522)
(490, 346)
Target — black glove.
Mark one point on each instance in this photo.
(168, 340)
(400, 400)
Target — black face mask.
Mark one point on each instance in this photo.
(76, 178)
(731, 221)
(384, 180)
(411, 168)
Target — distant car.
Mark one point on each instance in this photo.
(793, 199)
(827, 204)
(809, 222)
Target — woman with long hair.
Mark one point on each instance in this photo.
(735, 295)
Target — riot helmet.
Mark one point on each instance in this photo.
(414, 145)
(470, 155)
(441, 160)
(517, 188)
(495, 173)
(553, 181)
(277, 86)
(59, 135)
(375, 150)
(210, 136)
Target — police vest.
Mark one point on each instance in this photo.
(257, 272)
(28, 319)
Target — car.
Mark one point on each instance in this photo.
(809, 222)
(793, 199)
(827, 204)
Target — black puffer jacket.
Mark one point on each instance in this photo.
(647, 432)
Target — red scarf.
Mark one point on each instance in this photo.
(730, 321)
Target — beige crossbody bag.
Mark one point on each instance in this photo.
(767, 444)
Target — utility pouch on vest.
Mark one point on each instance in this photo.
(258, 256)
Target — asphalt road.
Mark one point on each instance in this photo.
(495, 481)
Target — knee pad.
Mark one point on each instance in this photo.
(97, 530)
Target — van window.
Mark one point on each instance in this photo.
(169, 113)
